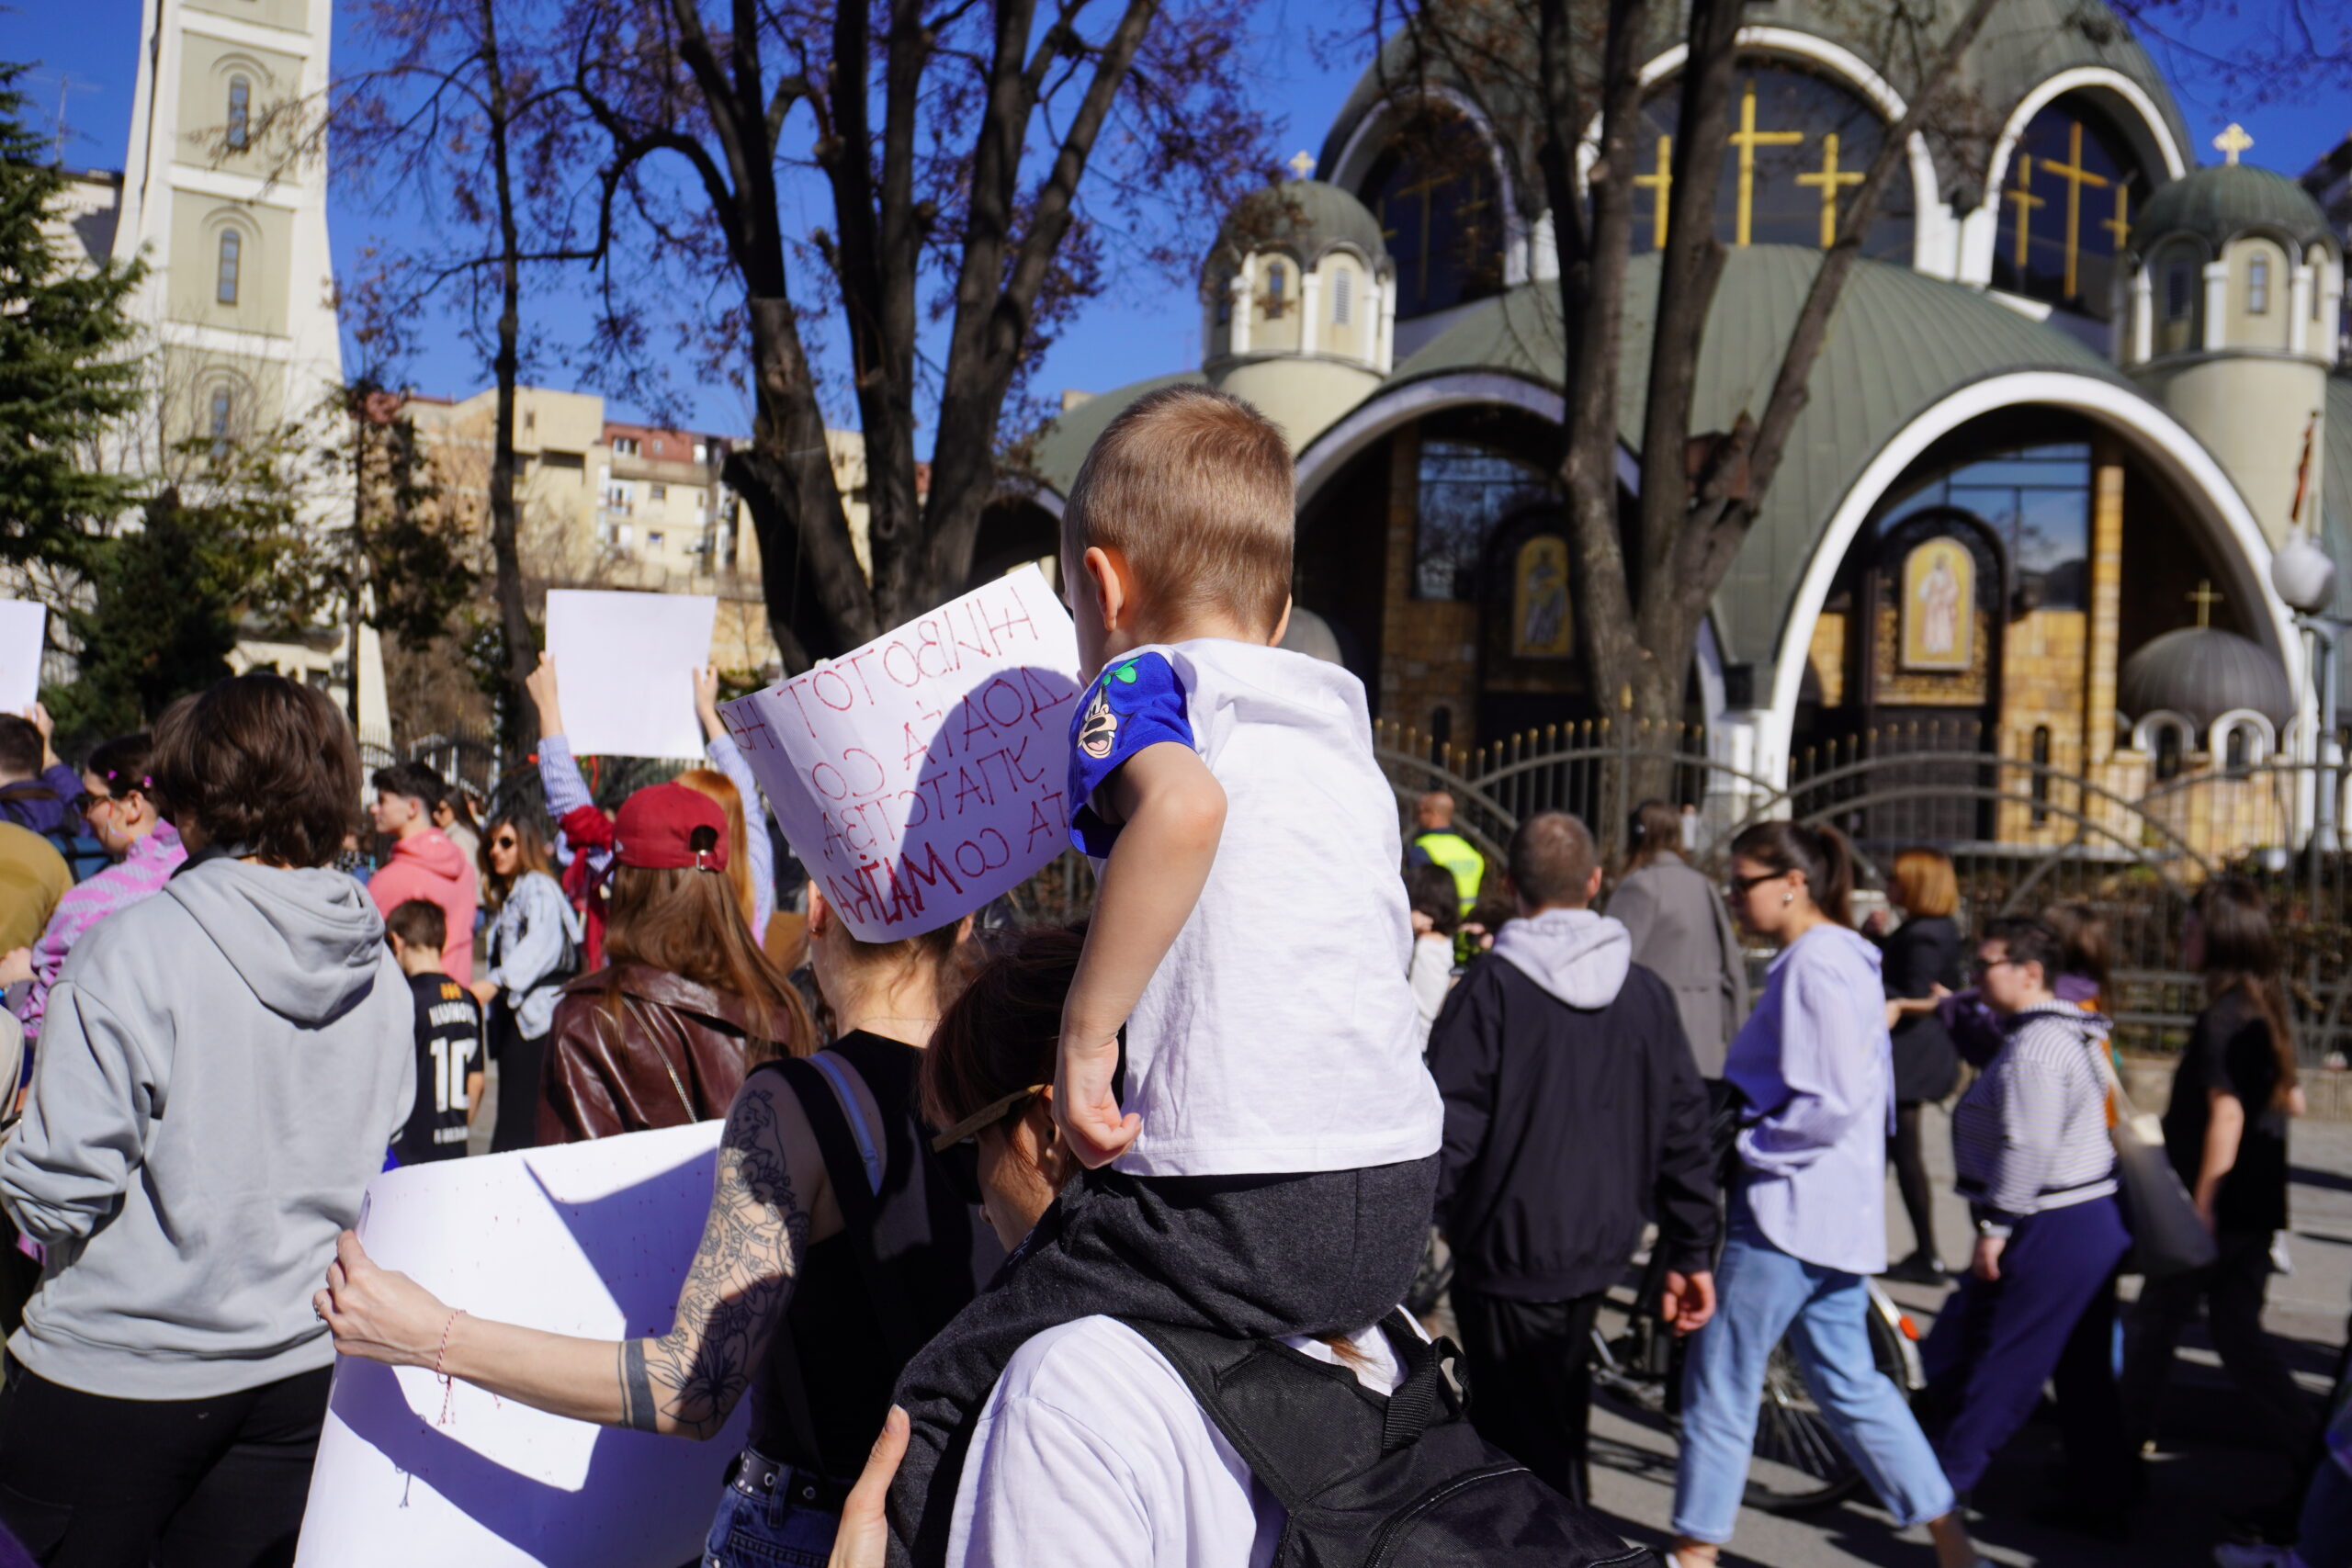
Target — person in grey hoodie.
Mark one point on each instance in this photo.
(1573, 1115)
(225, 1064)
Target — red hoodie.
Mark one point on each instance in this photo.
(427, 865)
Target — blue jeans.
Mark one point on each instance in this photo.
(1762, 1294)
(771, 1527)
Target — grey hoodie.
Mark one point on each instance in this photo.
(1578, 956)
(260, 1008)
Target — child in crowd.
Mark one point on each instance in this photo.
(1430, 891)
(449, 1037)
(1240, 1063)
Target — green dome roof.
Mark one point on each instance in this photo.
(2219, 204)
(1307, 218)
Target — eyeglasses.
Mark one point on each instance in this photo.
(1740, 887)
(1984, 966)
(86, 803)
(988, 1115)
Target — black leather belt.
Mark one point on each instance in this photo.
(756, 1475)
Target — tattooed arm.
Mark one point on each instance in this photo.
(767, 1206)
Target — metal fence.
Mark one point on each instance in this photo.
(2026, 826)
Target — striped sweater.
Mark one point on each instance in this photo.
(2031, 1134)
(139, 875)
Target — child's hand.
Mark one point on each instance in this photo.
(1086, 1109)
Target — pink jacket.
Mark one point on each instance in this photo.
(139, 875)
(430, 867)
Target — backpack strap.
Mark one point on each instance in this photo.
(1300, 1423)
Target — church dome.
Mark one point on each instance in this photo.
(2200, 673)
(1307, 218)
(2219, 203)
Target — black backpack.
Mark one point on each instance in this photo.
(1401, 1481)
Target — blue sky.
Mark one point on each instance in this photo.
(1140, 328)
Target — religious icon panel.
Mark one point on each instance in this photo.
(1541, 623)
(1938, 598)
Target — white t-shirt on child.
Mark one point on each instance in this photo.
(1279, 1035)
(1092, 1453)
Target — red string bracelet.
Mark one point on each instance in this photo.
(448, 1385)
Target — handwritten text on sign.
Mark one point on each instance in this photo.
(923, 774)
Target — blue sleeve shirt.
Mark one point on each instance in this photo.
(1136, 702)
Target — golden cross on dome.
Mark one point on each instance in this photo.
(1301, 163)
(2022, 199)
(2076, 177)
(2232, 141)
(1829, 179)
(1659, 184)
(1747, 139)
(2204, 599)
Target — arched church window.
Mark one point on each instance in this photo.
(1799, 144)
(217, 425)
(2065, 210)
(2037, 502)
(2180, 292)
(1342, 281)
(1274, 283)
(2168, 752)
(224, 282)
(2257, 286)
(1440, 206)
(240, 112)
(1466, 493)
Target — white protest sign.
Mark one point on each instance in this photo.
(624, 666)
(24, 628)
(922, 775)
(592, 1240)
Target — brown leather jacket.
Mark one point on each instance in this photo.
(675, 1056)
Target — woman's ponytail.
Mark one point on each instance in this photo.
(1822, 853)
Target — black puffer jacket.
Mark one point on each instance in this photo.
(1569, 1123)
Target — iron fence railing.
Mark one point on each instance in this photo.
(2028, 824)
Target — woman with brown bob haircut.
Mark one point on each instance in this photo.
(1920, 963)
(170, 1379)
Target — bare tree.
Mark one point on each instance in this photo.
(475, 143)
(1556, 69)
(947, 142)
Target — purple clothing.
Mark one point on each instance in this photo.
(46, 804)
(1817, 1071)
(139, 875)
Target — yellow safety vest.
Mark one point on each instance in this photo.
(1460, 857)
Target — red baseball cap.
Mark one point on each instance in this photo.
(656, 826)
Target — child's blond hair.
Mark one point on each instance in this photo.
(1194, 490)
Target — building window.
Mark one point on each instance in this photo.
(1274, 273)
(2233, 750)
(224, 285)
(2041, 774)
(624, 447)
(660, 493)
(1438, 199)
(2257, 286)
(2037, 502)
(530, 418)
(1467, 493)
(218, 426)
(2180, 292)
(2066, 207)
(702, 501)
(702, 452)
(1342, 284)
(653, 540)
(2168, 752)
(240, 95)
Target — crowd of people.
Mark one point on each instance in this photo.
(1086, 1244)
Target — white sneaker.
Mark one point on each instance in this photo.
(2236, 1554)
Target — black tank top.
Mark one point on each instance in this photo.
(908, 1258)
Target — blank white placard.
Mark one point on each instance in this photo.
(623, 667)
(23, 626)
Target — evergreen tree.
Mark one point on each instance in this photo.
(65, 367)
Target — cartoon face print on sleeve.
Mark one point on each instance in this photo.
(1137, 702)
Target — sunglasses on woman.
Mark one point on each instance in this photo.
(504, 842)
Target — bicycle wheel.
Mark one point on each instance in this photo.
(1798, 1464)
